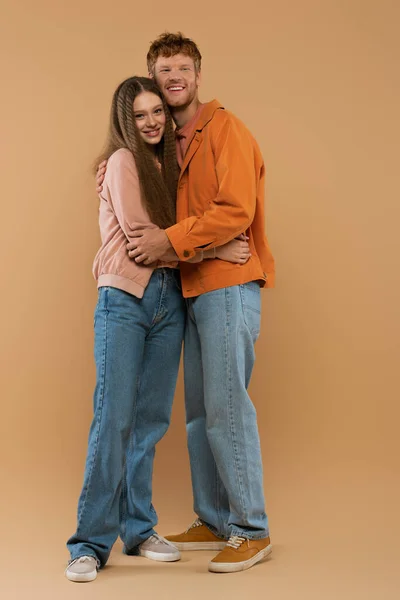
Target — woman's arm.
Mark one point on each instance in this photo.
(121, 188)
(235, 251)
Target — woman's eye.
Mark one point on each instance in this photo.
(140, 116)
(158, 111)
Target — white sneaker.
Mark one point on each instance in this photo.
(158, 548)
(82, 569)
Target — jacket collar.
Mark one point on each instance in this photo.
(209, 110)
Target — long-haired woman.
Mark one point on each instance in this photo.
(139, 325)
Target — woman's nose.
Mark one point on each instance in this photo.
(150, 121)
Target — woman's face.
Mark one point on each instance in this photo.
(149, 115)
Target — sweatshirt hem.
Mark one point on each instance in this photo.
(122, 283)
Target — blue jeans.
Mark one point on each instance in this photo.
(137, 350)
(223, 440)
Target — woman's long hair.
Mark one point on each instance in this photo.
(158, 189)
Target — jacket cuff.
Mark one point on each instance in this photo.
(178, 238)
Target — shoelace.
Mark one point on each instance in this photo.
(82, 559)
(158, 539)
(196, 523)
(235, 541)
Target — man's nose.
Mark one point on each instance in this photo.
(174, 75)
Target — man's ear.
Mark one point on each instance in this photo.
(151, 75)
(198, 78)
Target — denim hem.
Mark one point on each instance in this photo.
(98, 562)
(250, 536)
(214, 531)
(134, 550)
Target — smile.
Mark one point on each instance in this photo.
(175, 88)
(153, 133)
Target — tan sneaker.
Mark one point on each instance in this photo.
(197, 537)
(240, 554)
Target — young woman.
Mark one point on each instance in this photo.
(139, 325)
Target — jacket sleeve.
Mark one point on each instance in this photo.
(124, 195)
(232, 211)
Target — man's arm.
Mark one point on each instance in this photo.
(236, 250)
(232, 211)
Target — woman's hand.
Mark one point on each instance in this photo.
(235, 251)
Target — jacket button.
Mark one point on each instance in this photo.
(186, 253)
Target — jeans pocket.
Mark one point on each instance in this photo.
(251, 305)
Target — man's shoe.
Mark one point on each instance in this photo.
(82, 569)
(197, 537)
(158, 548)
(240, 554)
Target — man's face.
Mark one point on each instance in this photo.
(177, 79)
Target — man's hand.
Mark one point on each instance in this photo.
(101, 171)
(149, 245)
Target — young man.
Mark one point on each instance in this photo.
(220, 196)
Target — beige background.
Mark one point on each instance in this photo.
(318, 84)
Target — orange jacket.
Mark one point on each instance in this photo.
(220, 196)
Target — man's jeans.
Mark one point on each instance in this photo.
(223, 440)
(137, 351)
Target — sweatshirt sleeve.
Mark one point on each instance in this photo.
(232, 211)
(124, 195)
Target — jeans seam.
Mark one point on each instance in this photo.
(124, 481)
(101, 400)
(124, 501)
(159, 312)
(189, 310)
(217, 502)
(230, 404)
(256, 332)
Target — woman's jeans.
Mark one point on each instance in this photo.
(137, 352)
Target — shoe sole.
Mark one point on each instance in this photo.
(81, 578)
(215, 567)
(160, 556)
(183, 546)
